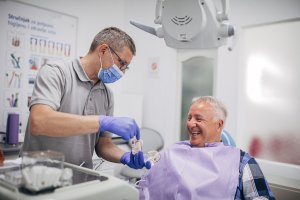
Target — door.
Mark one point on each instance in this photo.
(197, 80)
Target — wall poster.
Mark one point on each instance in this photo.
(29, 36)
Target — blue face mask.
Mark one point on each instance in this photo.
(110, 75)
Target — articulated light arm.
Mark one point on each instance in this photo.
(191, 24)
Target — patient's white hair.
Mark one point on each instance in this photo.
(218, 106)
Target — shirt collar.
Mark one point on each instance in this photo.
(213, 144)
(81, 73)
(209, 144)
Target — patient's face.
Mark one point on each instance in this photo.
(201, 125)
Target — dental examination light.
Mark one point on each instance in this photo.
(191, 24)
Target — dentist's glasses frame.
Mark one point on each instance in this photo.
(124, 65)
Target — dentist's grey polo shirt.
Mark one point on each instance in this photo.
(65, 87)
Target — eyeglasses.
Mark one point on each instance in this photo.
(124, 65)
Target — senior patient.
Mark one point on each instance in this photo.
(203, 167)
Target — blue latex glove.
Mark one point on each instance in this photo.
(135, 161)
(122, 126)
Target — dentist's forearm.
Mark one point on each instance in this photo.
(45, 121)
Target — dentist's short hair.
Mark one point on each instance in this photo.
(115, 38)
(218, 106)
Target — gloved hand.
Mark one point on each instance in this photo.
(122, 126)
(135, 161)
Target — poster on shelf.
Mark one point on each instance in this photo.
(30, 37)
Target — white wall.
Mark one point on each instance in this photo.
(159, 91)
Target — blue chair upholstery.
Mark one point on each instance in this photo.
(227, 139)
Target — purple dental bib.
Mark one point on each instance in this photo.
(184, 172)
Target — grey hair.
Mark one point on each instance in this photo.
(115, 38)
(218, 106)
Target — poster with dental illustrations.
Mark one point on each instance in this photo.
(30, 37)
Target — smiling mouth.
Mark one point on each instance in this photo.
(195, 133)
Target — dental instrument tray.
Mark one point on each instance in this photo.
(47, 176)
(42, 171)
(12, 178)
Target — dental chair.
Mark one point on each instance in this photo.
(227, 138)
(152, 139)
